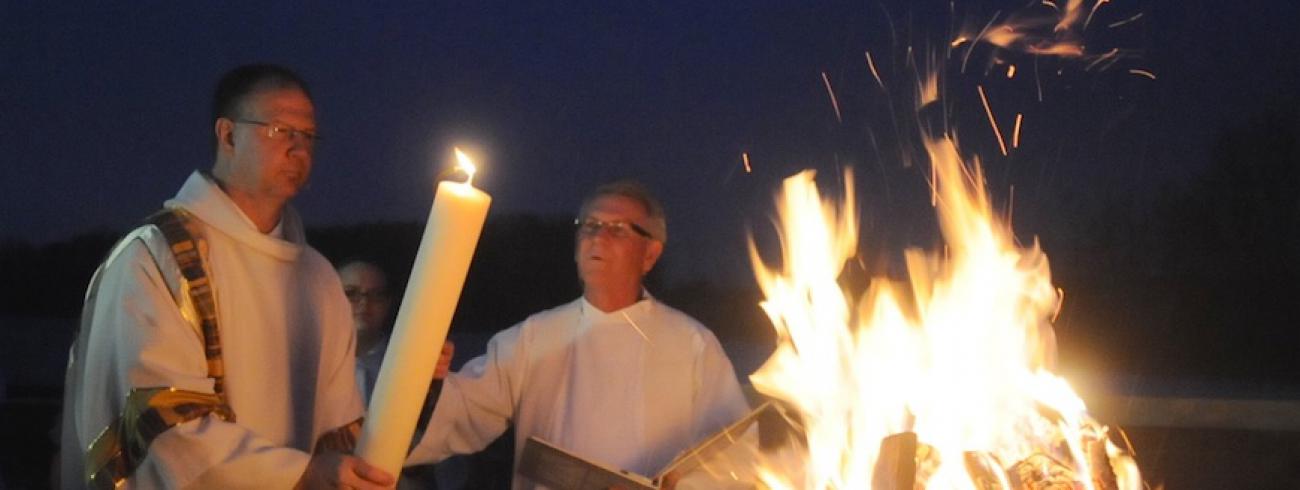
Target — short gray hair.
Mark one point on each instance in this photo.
(656, 224)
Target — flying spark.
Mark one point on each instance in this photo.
(988, 110)
(965, 59)
(1094, 12)
(1015, 134)
(744, 157)
(872, 65)
(1143, 73)
(1113, 53)
(1125, 21)
(834, 103)
(1038, 81)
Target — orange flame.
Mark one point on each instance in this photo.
(961, 356)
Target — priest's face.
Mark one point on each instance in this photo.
(610, 253)
(271, 144)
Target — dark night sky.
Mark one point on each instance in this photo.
(105, 105)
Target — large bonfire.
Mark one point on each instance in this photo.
(960, 355)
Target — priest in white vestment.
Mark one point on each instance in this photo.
(286, 341)
(614, 376)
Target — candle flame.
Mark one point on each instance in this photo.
(466, 165)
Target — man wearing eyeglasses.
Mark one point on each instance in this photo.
(614, 376)
(216, 349)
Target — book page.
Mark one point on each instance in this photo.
(549, 465)
(730, 458)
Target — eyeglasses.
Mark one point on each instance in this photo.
(281, 132)
(355, 294)
(591, 227)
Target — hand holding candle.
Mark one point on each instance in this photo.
(437, 278)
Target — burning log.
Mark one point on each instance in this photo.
(1042, 472)
(904, 463)
(896, 465)
(927, 464)
(985, 470)
(1103, 476)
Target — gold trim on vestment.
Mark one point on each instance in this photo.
(121, 447)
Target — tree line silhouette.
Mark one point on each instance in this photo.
(1198, 284)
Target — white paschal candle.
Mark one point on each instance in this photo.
(437, 278)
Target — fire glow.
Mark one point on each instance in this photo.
(961, 354)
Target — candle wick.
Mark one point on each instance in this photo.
(469, 176)
(447, 174)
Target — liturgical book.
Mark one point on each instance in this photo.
(547, 464)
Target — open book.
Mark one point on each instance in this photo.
(549, 465)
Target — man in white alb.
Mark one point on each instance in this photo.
(614, 376)
(159, 398)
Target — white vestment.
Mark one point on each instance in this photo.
(286, 338)
(630, 388)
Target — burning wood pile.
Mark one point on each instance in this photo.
(907, 464)
(943, 380)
